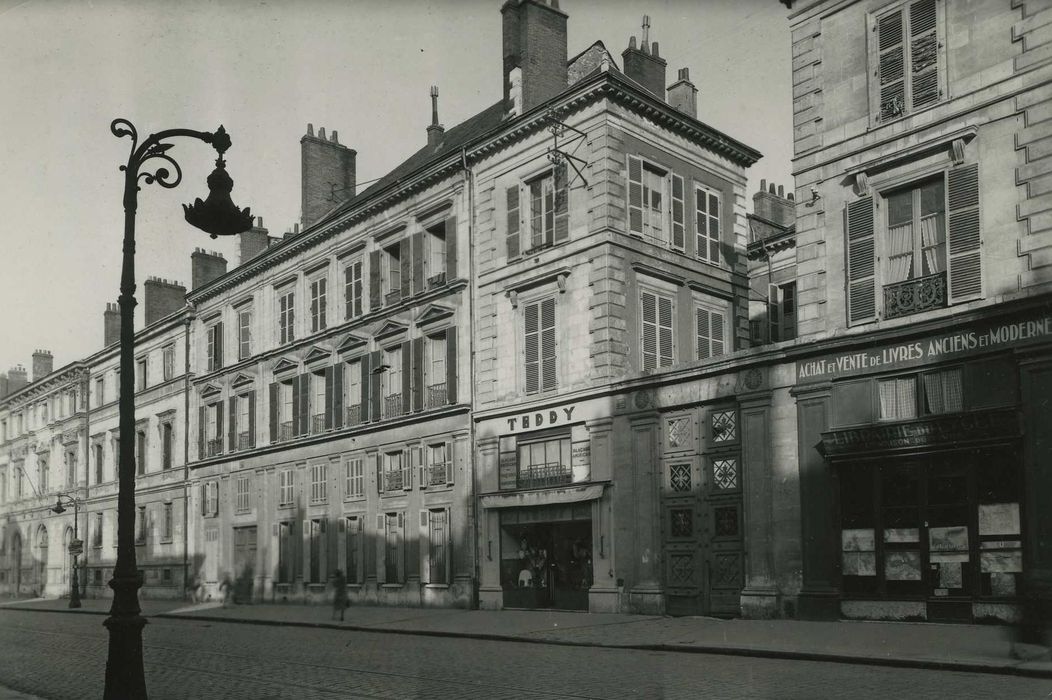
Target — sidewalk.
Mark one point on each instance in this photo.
(970, 648)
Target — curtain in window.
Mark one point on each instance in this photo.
(943, 391)
(900, 252)
(898, 399)
(932, 243)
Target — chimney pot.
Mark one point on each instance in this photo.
(632, 42)
(111, 325)
(321, 133)
(771, 189)
(643, 66)
(335, 136)
(781, 191)
(162, 298)
(205, 267)
(310, 129)
(790, 196)
(654, 50)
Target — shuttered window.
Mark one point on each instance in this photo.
(547, 215)
(707, 224)
(540, 357)
(286, 316)
(965, 240)
(318, 296)
(657, 336)
(711, 330)
(354, 477)
(861, 256)
(907, 56)
(352, 289)
(319, 481)
(512, 236)
(286, 487)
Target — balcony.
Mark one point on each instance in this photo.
(244, 441)
(394, 480)
(285, 431)
(392, 405)
(436, 395)
(915, 296)
(393, 297)
(214, 447)
(436, 280)
(353, 415)
(538, 476)
(438, 474)
(317, 423)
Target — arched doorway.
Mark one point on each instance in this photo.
(42, 551)
(16, 562)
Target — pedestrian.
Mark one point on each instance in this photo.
(339, 594)
(226, 589)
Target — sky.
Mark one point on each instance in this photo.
(265, 69)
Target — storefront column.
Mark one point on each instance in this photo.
(603, 594)
(1036, 383)
(819, 596)
(759, 598)
(491, 595)
(646, 595)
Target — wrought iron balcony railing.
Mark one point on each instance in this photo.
(354, 415)
(538, 476)
(244, 440)
(436, 395)
(438, 474)
(394, 480)
(317, 423)
(915, 296)
(285, 431)
(392, 405)
(214, 447)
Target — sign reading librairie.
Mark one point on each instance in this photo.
(938, 348)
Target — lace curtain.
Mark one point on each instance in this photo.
(943, 392)
(898, 399)
(900, 252)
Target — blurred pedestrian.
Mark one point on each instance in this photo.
(226, 589)
(339, 594)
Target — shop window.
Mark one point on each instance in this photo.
(857, 536)
(1000, 543)
(943, 392)
(905, 59)
(900, 522)
(544, 463)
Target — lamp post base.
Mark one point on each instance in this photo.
(74, 591)
(124, 663)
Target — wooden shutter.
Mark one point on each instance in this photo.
(924, 54)
(405, 262)
(400, 548)
(451, 249)
(965, 238)
(407, 377)
(219, 422)
(774, 313)
(219, 344)
(635, 196)
(678, 213)
(861, 262)
(381, 541)
(449, 462)
(532, 348)
(303, 412)
(232, 429)
(548, 357)
(252, 418)
(425, 547)
(562, 196)
(649, 330)
(451, 364)
(327, 373)
(418, 262)
(201, 430)
(411, 459)
(364, 387)
(335, 395)
(304, 558)
(665, 336)
(274, 398)
(375, 300)
(513, 221)
(418, 374)
(374, 389)
(891, 66)
(718, 341)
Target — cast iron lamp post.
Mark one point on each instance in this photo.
(216, 216)
(75, 547)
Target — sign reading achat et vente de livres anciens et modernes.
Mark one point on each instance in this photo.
(938, 348)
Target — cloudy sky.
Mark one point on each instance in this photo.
(264, 69)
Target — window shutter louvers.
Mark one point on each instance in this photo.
(381, 540)
(407, 377)
(304, 404)
(418, 262)
(252, 418)
(774, 313)
(891, 67)
(635, 196)
(405, 261)
(204, 500)
(665, 340)
(219, 423)
(201, 430)
(861, 262)
(451, 249)
(219, 345)
(649, 332)
(924, 54)
(513, 221)
(328, 372)
(364, 387)
(274, 411)
(233, 427)
(451, 365)
(425, 548)
(418, 374)
(336, 395)
(532, 348)
(718, 342)
(562, 195)
(375, 301)
(374, 389)
(548, 356)
(678, 213)
(965, 238)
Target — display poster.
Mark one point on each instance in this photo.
(581, 460)
(508, 470)
(999, 519)
(902, 566)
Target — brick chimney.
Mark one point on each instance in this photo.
(436, 130)
(163, 297)
(771, 204)
(328, 173)
(16, 378)
(682, 94)
(253, 241)
(43, 364)
(111, 325)
(534, 50)
(644, 65)
(205, 266)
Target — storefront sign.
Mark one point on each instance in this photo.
(541, 419)
(933, 349)
(943, 430)
(581, 460)
(507, 471)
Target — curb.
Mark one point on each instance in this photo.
(924, 664)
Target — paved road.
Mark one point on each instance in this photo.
(57, 655)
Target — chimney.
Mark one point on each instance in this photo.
(435, 131)
(4, 388)
(534, 39)
(682, 94)
(770, 205)
(111, 325)
(43, 364)
(253, 241)
(163, 297)
(644, 65)
(205, 266)
(16, 378)
(327, 174)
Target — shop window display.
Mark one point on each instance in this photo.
(547, 565)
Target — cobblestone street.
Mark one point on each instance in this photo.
(63, 656)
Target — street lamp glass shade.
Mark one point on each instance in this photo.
(58, 509)
(217, 215)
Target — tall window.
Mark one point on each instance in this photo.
(317, 546)
(916, 243)
(286, 392)
(544, 463)
(435, 369)
(353, 477)
(354, 548)
(439, 468)
(3, 492)
(319, 481)
(140, 452)
(392, 273)
(286, 316)
(97, 447)
(907, 57)
(286, 487)
(96, 534)
(244, 333)
(319, 400)
(393, 562)
(436, 253)
(211, 500)
(71, 468)
(395, 472)
(547, 220)
(166, 446)
(781, 311)
(352, 382)
(438, 545)
(318, 293)
(168, 362)
(352, 289)
(242, 502)
(166, 530)
(44, 470)
(140, 374)
(140, 526)
(244, 420)
(657, 336)
(214, 346)
(213, 429)
(100, 391)
(540, 358)
(393, 382)
(286, 553)
(707, 222)
(712, 330)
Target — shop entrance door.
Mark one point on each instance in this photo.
(244, 562)
(950, 567)
(547, 564)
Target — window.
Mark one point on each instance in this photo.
(941, 391)
(71, 468)
(353, 478)
(286, 552)
(244, 333)
(211, 499)
(140, 452)
(214, 429)
(140, 374)
(245, 438)
(898, 398)
(286, 416)
(319, 400)
(19, 481)
(354, 549)
(100, 393)
(352, 289)
(286, 316)
(286, 492)
(781, 311)
(392, 273)
(166, 530)
(711, 330)
(98, 462)
(916, 232)
(140, 526)
(438, 545)
(318, 292)
(43, 472)
(436, 254)
(657, 338)
(352, 382)
(166, 446)
(214, 346)
(394, 566)
(167, 362)
(96, 533)
(907, 56)
(242, 503)
(538, 212)
(438, 471)
(3, 430)
(395, 473)
(539, 346)
(655, 203)
(317, 547)
(393, 382)
(319, 481)
(707, 222)
(544, 463)
(3, 493)
(435, 370)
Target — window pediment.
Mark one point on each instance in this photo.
(317, 353)
(432, 313)
(352, 343)
(243, 379)
(210, 390)
(390, 328)
(285, 364)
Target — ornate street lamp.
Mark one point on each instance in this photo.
(76, 547)
(216, 216)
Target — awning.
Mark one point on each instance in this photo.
(546, 497)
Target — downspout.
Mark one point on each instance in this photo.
(472, 289)
(186, 453)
